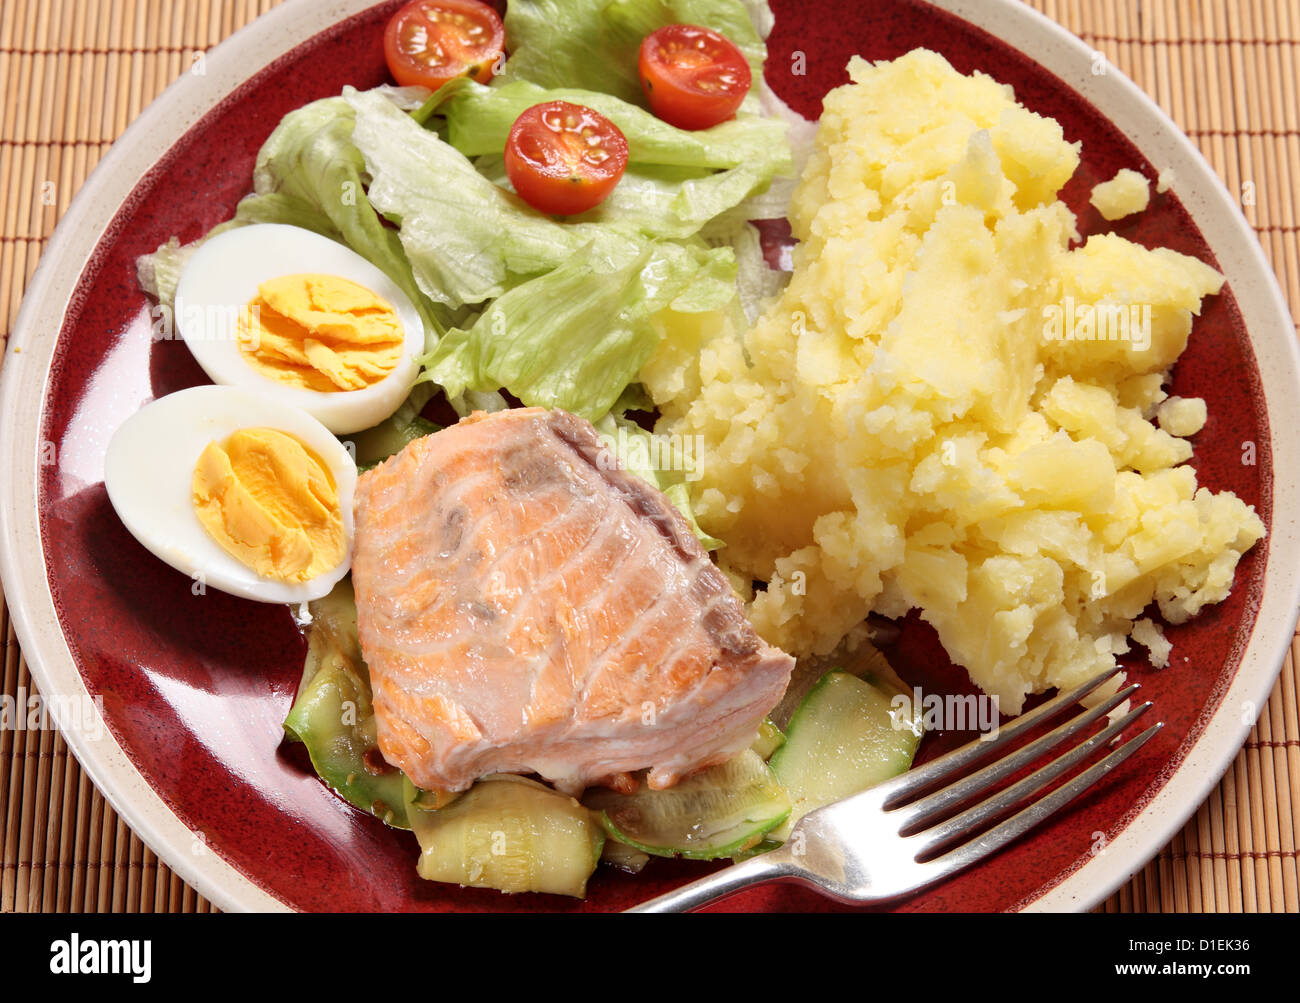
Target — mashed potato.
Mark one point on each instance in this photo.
(948, 407)
(1124, 194)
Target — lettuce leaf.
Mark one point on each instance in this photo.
(653, 201)
(577, 336)
(667, 462)
(479, 120)
(676, 182)
(310, 167)
(466, 239)
(593, 44)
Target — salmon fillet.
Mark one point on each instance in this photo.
(527, 606)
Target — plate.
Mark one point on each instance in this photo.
(189, 691)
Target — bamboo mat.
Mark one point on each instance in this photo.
(76, 72)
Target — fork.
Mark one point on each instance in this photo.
(897, 838)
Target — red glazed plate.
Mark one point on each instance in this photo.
(192, 690)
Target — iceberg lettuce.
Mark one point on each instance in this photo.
(593, 44)
(466, 239)
(577, 336)
(664, 461)
(479, 119)
(676, 182)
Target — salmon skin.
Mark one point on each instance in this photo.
(526, 605)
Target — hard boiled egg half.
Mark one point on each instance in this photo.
(238, 490)
(300, 319)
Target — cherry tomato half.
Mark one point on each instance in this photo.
(693, 77)
(429, 42)
(564, 158)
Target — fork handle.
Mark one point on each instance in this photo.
(720, 884)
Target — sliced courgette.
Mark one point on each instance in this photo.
(430, 800)
(714, 813)
(861, 659)
(624, 857)
(377, 444)
(394, 433)
(768, 740)
(842, 739)
(333, 715)
(764, 845)
(511, 834)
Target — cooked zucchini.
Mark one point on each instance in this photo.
(377, 444)
(768, 740)
(511, 834)
(624, 857)
(841, 740)
(762, 846)
(429, 800)
(714, 813)
(394, 433)
(862, 659)
(333, 628)
(333, 716)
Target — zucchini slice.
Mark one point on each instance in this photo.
(374, 445)
(768, 740)
(764, 845)
(624, 857)
(863, 660)
(333, 715)
(377, 444)
(842, 739)
(714, 813)
(508, 833)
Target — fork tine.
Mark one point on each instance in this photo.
(923, 777)
(935, 805)
(1024, 820)
(955, 828)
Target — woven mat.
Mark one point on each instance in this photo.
(75, 73)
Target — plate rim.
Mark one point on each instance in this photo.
(249, 51)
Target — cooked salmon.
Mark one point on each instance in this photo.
(526, 605)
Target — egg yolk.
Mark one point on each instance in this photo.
(270, 503)
(320, 332)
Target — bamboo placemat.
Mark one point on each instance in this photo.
(75, 73)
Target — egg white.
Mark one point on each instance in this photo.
(149, 468)
(222, 277)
